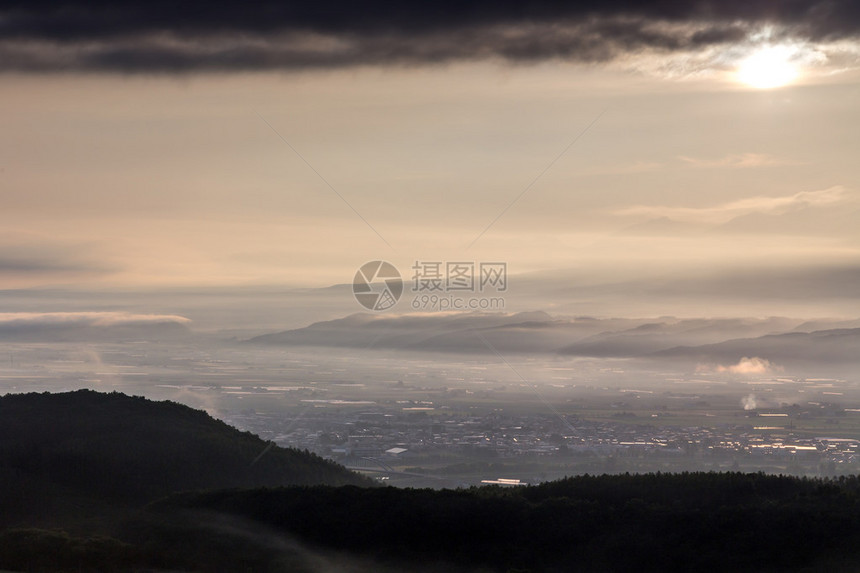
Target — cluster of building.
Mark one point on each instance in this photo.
(419, 432)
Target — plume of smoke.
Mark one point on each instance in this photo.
(749, 402)
(282, 548)
(754, 365)
(745, 365)
(103, 375)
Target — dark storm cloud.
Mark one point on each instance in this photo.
(19, 266)
(41, 35)
(18, 260)
(91, 19)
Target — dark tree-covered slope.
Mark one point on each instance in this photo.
(680, 522)
(118, 448)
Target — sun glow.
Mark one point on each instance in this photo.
(769, 67)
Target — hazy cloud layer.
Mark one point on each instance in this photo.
(173, 37)
(26, 259)
(90, 327)
(16, 260)
(11, 319)
(737, 161)
(831, 196)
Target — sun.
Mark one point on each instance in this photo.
(768, 67)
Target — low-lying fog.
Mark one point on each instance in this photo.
(456, 399)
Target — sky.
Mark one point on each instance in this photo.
(706, 146)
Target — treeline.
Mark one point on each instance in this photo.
(668, 522)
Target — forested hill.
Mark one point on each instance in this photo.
(123, 448)
(669, 522)
(84, 478)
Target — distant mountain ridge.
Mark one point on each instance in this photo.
(530, 332)
(841, 345)
(407, 332)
